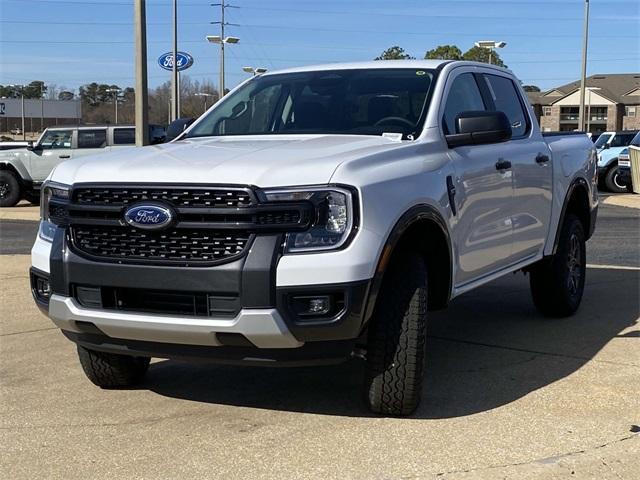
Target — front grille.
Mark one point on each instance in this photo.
(200, 304)
(211, 224)
(203, 197)
(182, 245)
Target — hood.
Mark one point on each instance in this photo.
(264, 161)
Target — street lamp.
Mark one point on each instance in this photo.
(205, 95)
(115, 92)
(490, 45)
(21, 87)
(221, 41)
(254, 71)
(42, 87)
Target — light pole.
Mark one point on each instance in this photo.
(141, 99)
(24, 134)
(583, 78)
(205, 95)
(115, 92)
(42, 87)
(490, 45)
(221, 41)
(254, 71)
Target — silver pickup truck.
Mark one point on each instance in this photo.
(312, 215)
(22, 170)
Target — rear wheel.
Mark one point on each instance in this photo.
(612, 181)
(557, 283)
(109, 370)
(397, 339)
(9, 189)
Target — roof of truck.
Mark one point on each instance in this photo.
(374, 64)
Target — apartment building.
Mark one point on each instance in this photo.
(612, 103)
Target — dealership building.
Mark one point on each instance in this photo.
(38, 114)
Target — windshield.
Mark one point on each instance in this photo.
(636, 140)
(602, 139)
(356, 102)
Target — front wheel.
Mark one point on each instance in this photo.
(9, 189)
(557, 282)
(110, 370)
(397, 339)
(612, 181)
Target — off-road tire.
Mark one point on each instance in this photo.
(109, 370)
(9, 189)
(557, 283)
(397, 338)
(612, 181)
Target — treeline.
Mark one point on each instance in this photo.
(99, 99)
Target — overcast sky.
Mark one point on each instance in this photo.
(74, 42)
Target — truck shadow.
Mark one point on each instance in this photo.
(488, 349)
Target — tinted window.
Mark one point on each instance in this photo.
(464, 96)
(622, 139)
(506, 99)
(602, 139)
(54, 139)
(124, 136)
(92, 138)
(356, 102)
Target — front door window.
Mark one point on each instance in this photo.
(55, 139)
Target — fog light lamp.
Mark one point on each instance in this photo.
(312, 305)
(43, 288)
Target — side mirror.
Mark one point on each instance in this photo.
(30, 145)
(606, 146)
(476, 128)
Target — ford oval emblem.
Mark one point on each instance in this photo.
(148, 217)
(184, 61)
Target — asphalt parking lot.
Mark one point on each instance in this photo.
(508, 394)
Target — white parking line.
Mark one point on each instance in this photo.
(612, 267)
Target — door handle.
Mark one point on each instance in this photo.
(64, 156)
(503, 164)
(542, 159)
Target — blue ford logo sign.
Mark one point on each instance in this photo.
(184, 61)
(148, 216)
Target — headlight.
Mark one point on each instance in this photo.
(53, 197)
(334, 217)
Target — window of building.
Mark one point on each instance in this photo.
(92, 138)
(124, 136)
(630, 111)
(546, 111)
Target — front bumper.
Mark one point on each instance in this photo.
(262, 328)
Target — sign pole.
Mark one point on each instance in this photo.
(175, 88)
(141, 97)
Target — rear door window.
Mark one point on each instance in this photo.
(506, 99)
(622, 139)
(92, 138)
(124, 136)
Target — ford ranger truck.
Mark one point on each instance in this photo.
(312, 215)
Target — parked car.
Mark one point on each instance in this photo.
(22, 171)
(177, 127)
(315, 214)
(13, 145)
(624, 163)
(609, 146)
